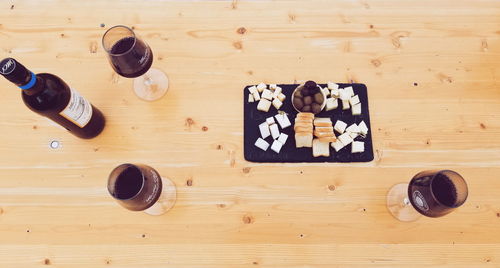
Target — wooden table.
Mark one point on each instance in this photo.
(432, 71)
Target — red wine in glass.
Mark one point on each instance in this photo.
(437, 193)
(139, 187)
(131, 57)
(432, 193)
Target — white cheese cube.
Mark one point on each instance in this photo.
(275, 133)
(337, 145)
(283, 120)
(272, 86)
(262, 144)
(282, 138)
(350, 91)
(353, 135)
(264, 105)
(277, 104)
(281, 97)
(276, 146)
(345, 105)
(250, 98)
(264, 130)
(353, 129)
(270, 120)
(261, 87)
(256, 96)
(277, 92)
(326, 91)
(340, 126)
(354, 100)
(331, 104)
(357, 147)
(356, 109)
(252, 89)
(267, 94)
(335, 93)
(332, 85)
(363, 128)
(344, 94)
(345, 138)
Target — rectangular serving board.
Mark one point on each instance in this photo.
(289, 153)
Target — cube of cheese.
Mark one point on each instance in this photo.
(270, 120)
(282, 138)
(356, 109)
(353, 129)
(337, 145)
(277, 104)
(267, 94)
(283, 120)
(363, 128)
(281, 97)
(354, 100)
(272, 86)
(264, 130)
(332, 85)
(277, 92)
(350, 91)
(252, 89)
(345, 138)
(357, 147)
(326, 91)
(262, 144)
(250, 98)
(344, 94)
(340, 126)
(353, 135)
(275, 133)
(276, 146)
(335, 93)
(261, 87)
(331, 104)
(345, 105)
(256, 96)
(264, 105)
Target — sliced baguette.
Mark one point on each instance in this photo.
(320, 148)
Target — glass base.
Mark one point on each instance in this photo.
(166, 200)
(399, 205)
(152, 85)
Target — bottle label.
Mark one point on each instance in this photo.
(419, 199)
(78, 111)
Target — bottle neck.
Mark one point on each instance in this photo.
(34, 85)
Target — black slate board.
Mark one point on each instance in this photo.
(288, 153)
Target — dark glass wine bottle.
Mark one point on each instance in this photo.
(49, 96)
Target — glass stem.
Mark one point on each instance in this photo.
(148, 81)
(406, 201)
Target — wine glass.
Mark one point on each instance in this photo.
(139, 187)
(432, 193)
(132, 58)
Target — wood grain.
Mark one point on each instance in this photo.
(431, 68)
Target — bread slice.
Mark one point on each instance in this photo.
(305, 115)
(303, 139)
(320, 148)
(328, 139)
(322, 119)
(304, 129)
(302, 124)
(323, 134)
(324, 129)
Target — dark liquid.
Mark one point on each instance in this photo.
(128, 184)
(444, 190)
(136, 187)
(50, 96)
(432, 195)
(131, 60)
